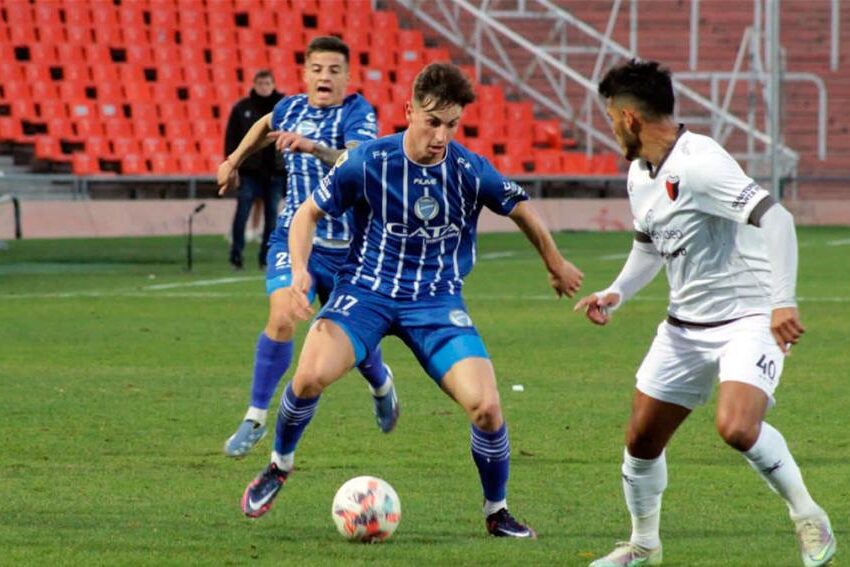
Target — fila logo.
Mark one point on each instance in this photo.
(425, 181)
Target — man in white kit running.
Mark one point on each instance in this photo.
(731, 256)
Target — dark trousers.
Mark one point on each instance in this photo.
(270, 190)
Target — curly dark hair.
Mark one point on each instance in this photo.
(647, 83)
(442, 84)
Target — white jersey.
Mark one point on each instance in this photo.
(695, 208)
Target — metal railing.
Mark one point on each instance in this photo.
(539, 68)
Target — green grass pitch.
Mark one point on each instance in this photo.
(121, 375)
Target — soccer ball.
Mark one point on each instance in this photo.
(366, 509)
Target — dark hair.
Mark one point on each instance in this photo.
(646, 82)
(443, 84)
(327, 43)
(262, 74)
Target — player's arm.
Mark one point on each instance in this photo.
(564, 277)
(295, 142)
(301, 233)
(255, 139)
(640, 268)
(781, 239)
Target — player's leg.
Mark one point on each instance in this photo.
(673, 378)
(341, 337)
(273, 354)
(377, 373)
(749, 375)
(271, 202)
(326, 356)
(244, 202)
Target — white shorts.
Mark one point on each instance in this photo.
(683, 362)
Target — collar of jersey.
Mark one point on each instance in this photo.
(653, 173)
(416, 163)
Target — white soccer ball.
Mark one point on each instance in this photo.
(366, 509)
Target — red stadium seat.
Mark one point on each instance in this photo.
(35, 72)
(151, 146)
(196, 37)
(133, 164)
(509, 164)
(47, 148)
(411, 40)
(191, 17)
(72, 90)
(137, 91)
(163, 92)
(43, 53)
(10, 128)
(228, 93)
(110, 92)
(97, 146)
(125, 145)
(548, 161)
(163, 163)
(182, 145)
(97, 54)
(84, 164)
(331, 22)
(117, 127)
(78, 13)
(605, 164)
(221, 18)
(71, 53)
(222, 37)
(169, 73)
(212, 147)
(197, 73)
(547, 133)
(172, 111)
(146, 111)
(199, 111)
(60, 128)
(193, 163)
(43, 90)
(145, 129)
(15, 90)
(79, 35)
(191, 55)
(87, 127)
(76, 71)
(178, 129)
(223, 73)
(206, 129)
(436, 55)
(135, 35)
(105, 73)
(481, 147)
(52, 108)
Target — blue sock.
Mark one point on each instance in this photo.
(292, 419)
(492, 455)
(372, 369)
(270, 363)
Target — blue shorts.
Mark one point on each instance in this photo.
(323, 265)
(437, 329)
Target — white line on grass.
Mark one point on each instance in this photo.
(497, 255)
(201, 283)
(842, 242)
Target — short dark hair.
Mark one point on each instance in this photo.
(263, 74)
(443, 84)
(327, 43)
(646, 82)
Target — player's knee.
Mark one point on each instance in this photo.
(640, 444)
(487, 415)
(307, 382)
(280, 327)
(739, 434)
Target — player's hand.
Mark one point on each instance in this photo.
(566, 279)
(227, 177)
(597, 307)
(299, 290)
(292, 141)
(786, 327)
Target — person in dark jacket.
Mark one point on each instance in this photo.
(261, 176)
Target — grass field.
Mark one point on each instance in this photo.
(121, 375)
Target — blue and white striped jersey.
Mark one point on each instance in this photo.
(414, 225)
(334, 126)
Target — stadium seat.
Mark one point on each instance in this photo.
(436, 55)
(86, 127)
(163, 163)
(79, 14)
(604, 164)
(195, 37)
(105, 73)
(52, 108)
(60, 129)
(80, 109)
(43, 90)
(35, 72)
(172, 111)
(548, 162)
(125, 145)
(575, 163)
(200, 111)
(145, 129)
(136, 91)
(331, 22)
(212, 147)
(547, 133)
(133, 164)
(84, 164)
(509, 163)
(481, 147)
(10, 129)
(97, 146)
(206, 129)
(181, 145)
(103, 14)
(43, 53)
(48, 148)
(191, 55)
(193, 164)
(151, 146)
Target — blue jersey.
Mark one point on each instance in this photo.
(333, 126)
(414, 225)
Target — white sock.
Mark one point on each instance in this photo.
(284, 462)
(771, 458)
(257, 414)
(644, 482)
(493, 507)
